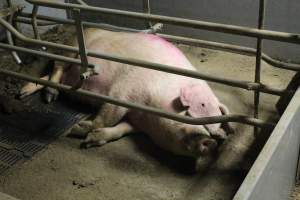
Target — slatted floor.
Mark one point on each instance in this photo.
(25, 133)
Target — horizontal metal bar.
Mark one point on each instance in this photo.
(183, 40)
(42, 54)
(231, 48)
(25, 20)
(140, 63)
(217, 27)
(151, 110)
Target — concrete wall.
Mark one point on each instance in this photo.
(280, 16)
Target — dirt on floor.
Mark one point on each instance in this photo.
(133, 167)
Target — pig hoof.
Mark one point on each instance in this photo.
(81, 129)
(51, 94)
(94, 138)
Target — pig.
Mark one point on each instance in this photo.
(170, 92)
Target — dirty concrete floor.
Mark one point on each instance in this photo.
(133, 167)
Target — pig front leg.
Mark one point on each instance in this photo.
(31, 88)
(101, 136)
(108, 117)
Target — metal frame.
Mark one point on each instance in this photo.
(273, 175)
(35, 20)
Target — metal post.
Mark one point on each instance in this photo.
(258, 60)
(147, 9)
(85, 71)
(35, 25)
(10, 39)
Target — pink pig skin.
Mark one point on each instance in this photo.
(172, 93)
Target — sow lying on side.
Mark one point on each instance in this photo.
(170, 92)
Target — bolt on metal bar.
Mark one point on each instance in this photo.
(150, 65)
(258, 60)
(149, 109)
(216, 27)
(179, 39)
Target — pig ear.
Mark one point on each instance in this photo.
(228, 128)
(189, 98)
(192, 97)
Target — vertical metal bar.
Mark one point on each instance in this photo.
(147, 10)
(9, 4)
(35, 25)
(85, 72)
(258, 60)
(10, 37)
(34, 22)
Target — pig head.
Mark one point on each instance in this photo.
(200, 101)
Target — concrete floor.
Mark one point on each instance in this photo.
(133, 167)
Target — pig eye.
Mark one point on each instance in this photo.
(203, 105)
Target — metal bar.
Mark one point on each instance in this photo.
(147, 9)
(183, 40)
(25, 20)
(43, 54)
(140, 63)
(217, 27)
(81, 42)
(34, 22)
(9, 36)
(231, 48)
(81, 2)
(151, 110)
(35, 25)
(258, 60)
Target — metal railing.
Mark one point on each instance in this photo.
(39, 20)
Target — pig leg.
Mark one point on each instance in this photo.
(51, 94)
(108, 117)
(101, 136)
(31, 88)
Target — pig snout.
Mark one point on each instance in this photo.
(200, 145)
(206, 146)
